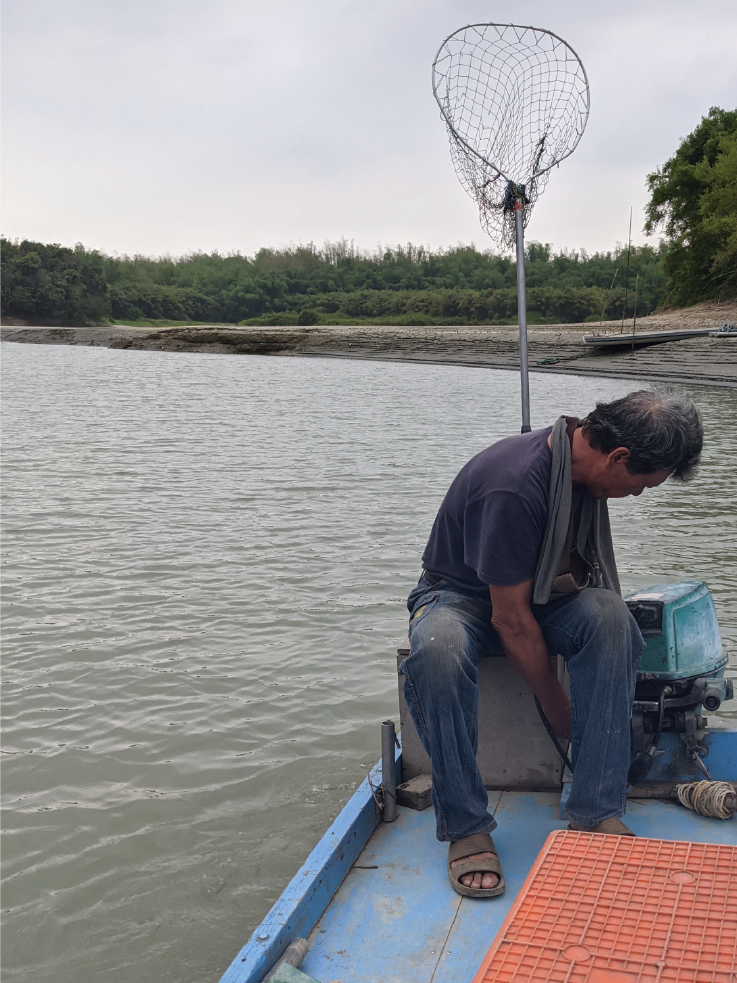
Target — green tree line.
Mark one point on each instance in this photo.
(336, 284)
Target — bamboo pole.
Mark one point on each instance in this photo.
(606, 302)
(627, 274)
(634, 313)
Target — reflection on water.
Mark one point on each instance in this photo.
(206, 560)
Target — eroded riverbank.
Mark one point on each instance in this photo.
(552, 348)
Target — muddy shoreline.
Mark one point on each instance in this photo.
(552, 348)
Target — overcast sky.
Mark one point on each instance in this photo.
(167, 126)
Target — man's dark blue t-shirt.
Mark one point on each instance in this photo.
(490, 527)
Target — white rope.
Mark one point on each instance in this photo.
(713, 799)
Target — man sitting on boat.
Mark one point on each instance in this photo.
(520, 559)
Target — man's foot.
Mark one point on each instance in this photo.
(473, 867)
(478, 879)
(612, 827)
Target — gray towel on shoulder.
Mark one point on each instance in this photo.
(594, 539)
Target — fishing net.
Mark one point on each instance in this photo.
(515, 101)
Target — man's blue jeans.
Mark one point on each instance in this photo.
(450, 632)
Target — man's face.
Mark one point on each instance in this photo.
(613, 480)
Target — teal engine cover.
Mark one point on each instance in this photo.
(679, 625)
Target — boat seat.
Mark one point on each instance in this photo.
(515, 751)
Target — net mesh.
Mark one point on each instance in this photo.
(515, 101)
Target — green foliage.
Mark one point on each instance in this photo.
(693, 196)
(53, 284)
(406, 285)
(339, 285)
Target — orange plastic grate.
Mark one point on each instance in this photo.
(619, 909)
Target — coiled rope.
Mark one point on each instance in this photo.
(713, 799)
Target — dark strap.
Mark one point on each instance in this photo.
(478, 843)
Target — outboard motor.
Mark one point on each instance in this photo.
(681, 671)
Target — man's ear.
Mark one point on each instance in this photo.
(620, 455)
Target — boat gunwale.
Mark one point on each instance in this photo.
(305, 899)
(614, 340)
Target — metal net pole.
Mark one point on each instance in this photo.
(522, 315)
(515, 101)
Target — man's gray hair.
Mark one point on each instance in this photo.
(662, 431)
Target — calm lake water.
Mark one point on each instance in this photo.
(205, 565)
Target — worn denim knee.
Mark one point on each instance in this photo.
(449, 634)
(602, 616)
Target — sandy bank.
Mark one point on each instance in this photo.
(552, 348)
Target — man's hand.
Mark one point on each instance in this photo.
(524, 646)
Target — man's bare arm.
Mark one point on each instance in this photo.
(525, 648)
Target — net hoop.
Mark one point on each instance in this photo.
(515, 100)
(519, 27)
